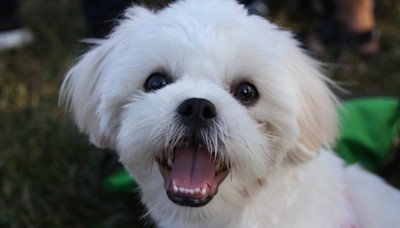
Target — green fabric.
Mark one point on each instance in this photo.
(120, 181)
(368, 127)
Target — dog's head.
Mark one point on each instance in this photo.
(200, 100)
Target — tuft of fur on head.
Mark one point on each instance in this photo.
(207, 54)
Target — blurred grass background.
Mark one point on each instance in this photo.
(50, 176)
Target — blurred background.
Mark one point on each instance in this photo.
(50, 175)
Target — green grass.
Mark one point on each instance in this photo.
(49, 174)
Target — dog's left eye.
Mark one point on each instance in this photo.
(246, 93)
(155, 81)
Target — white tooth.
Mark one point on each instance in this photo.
(173, 182)
(205, 186)
(170, 163)
(181, 190)
(191, 191)
(217, 166)
(203, 192)
(175, 188)
(187, 191)
(197, 190)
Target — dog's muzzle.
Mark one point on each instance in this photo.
(191, 172)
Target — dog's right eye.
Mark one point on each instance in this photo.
(246, 93)
(155, 81)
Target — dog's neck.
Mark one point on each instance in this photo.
(306, 188)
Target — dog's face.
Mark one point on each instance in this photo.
(201, 101)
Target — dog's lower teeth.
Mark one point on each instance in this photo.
(187, 191)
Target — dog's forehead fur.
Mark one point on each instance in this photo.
(190, 40)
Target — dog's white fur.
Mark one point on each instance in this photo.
(279, 176)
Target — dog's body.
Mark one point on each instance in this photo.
(220, 116)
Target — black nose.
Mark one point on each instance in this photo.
(197, 112)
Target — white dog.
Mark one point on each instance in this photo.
(219, 116)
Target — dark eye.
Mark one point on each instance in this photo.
(246, 93)
(155, 81)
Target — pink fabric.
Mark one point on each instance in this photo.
(353, 217)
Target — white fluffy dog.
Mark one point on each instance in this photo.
(220, 118)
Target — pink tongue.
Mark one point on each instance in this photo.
(193, 167)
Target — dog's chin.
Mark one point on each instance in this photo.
(192, 175)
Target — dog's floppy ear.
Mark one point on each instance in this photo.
(318, 119)
(80, 93)
(86, 84)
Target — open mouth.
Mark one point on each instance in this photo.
(192, 175)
